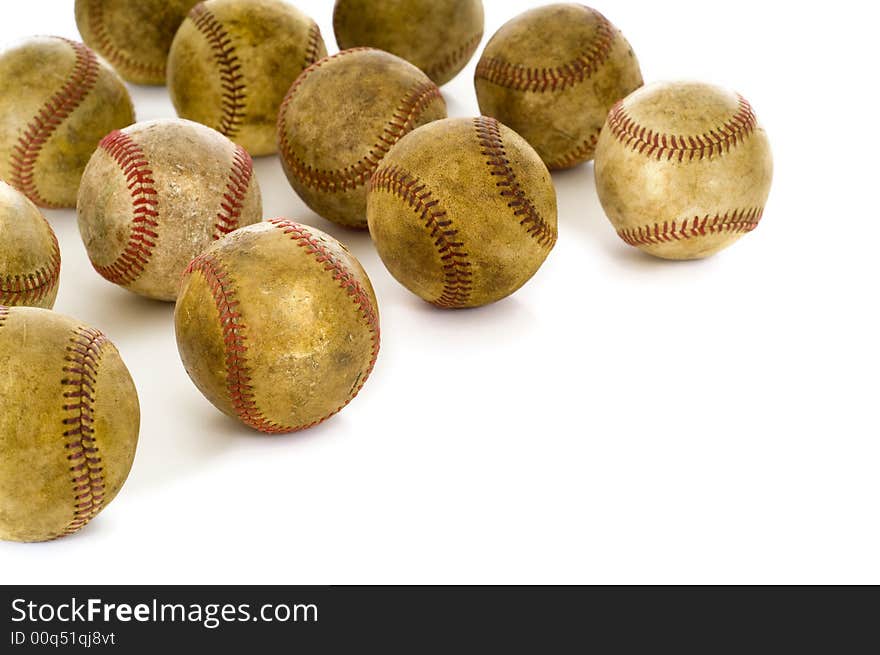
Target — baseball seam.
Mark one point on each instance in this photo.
(80, 380)
(411, 106)
(347, 283)
(133, 163)
(523, 78)
(489, 136)
(736, 221)
(455, 57)
(51, 115)
(457, 275)
(107, 48)
(312, 45)
(240, 175)
(34, 286)
(238, 375)
(233, 94)
(650, 143)
(4, 314)
(581, 153)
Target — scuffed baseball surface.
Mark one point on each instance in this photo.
(133, 35)
(30, 262)
(69, 421)
(683, 169)
(157, 194)
(551, 74)
(438, 36)
(232, 61)
(58, 100)
(462, 212)
(339, 120)
(277, 325)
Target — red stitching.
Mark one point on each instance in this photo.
(581, 153)
(411, 106)
(452, 59)
(32, 287)
(24, 155)
(737, 221)
(312, 46)
(229, 216)
(145, 203)
(4, 314)
(717, 141)
(238, 374)
(80, 378)
(348, 282)
(522, 78)
(457, 284)
(489, 135)
(106, 47)
(231, 75)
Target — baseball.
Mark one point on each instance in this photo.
(158, 193)
(69, 423)
(683, 169)
(57, 100)
(133, 35)
(551, 74)
(30, 261)
(462, 212)
(277, 325)
(438, 36)
(339, 120)
(232, 61)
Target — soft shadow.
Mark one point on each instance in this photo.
(493, 324)
(176, 451)
(634, 261)
(220, 426)
(580, 212)
(119, 311)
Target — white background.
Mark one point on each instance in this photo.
(621, 419)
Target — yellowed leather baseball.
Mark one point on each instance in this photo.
(133, 35)
(683, 169)
(277, 325)
(69, 422)
(232, 61)
(462, 212)
(157, 194)
(57, 99)
(438, 36)
(30, 261)
(341, 117)
(551, 74)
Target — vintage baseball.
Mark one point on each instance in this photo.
(462, 212)
(339, 120)
(157, 194)
(277, 325)
(69, 422)
(683, 169)
(57, 100)
(133, 35)
(551, 74)
(232, 61)
(30, 261)
(438, 36)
